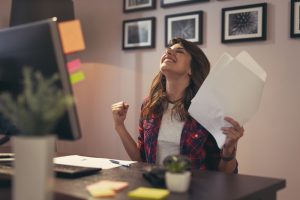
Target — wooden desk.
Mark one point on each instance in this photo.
(205, 185)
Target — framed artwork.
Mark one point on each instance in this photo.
(169, 3)
(185, 25)
(244, 23)
(138, 5)
(139, 33)
(295, 18)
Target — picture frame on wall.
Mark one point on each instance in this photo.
(138, 5)
(170, 3)
(139, 33)
(295, 19)
(244, 23)
(185, 25)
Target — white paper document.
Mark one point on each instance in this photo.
(84, 161)
(233, 88)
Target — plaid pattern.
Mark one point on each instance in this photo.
(196, 143)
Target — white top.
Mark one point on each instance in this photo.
(168, 136)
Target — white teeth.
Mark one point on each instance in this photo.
(168, 60)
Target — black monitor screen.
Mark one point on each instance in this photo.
(36, 45)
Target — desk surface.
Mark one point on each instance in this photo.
(205, 185)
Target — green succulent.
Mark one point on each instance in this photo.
(37, 109)
(177, 163)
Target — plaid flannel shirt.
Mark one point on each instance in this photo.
(196, 143)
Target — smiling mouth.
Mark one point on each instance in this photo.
(168, 59)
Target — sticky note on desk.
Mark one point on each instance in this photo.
(114, 185)
(102, 192)
(71, 36)
(148, 193)
(106, 188)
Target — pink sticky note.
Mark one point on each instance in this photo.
(74, 65)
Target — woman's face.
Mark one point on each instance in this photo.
(175, 61)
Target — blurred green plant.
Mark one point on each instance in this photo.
(37, 109)
(177, 163)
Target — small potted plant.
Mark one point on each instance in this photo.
(34, 112)
(178, 175)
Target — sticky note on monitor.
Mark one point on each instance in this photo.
(148, 193)
(71, 36)
(74, 65)
(77, 77)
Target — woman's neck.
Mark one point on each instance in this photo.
(175, 89)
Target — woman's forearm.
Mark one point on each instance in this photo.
(227, 166)
(128, 143)
(228, 161)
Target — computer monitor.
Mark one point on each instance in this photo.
(37, 45)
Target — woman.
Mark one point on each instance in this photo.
(166, 127)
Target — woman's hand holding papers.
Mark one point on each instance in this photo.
(233, 134)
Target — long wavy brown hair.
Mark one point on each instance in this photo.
(157, 101)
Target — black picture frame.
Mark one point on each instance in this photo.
(244, 23)
(295, 19)
(139, 33)
(171, 3)
(138, 5)
(185, 25)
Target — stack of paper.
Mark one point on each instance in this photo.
(233, 88)
(84, 161)
(106, 188)
(148, 193)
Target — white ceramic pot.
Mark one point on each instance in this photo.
(178, 182)
(34, 178)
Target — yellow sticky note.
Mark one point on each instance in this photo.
(71, 36)
(77, 77)
(103, 192)
(148, 193)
